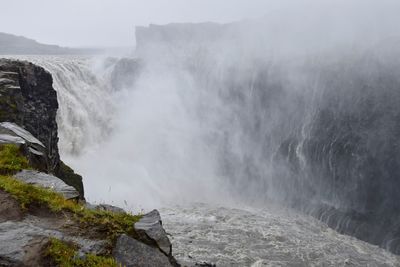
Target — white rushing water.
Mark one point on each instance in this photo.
(123, 165)
(85, 111)
(264, 237)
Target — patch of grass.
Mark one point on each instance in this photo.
(66, 255)
(11, 159)
(112, 224)
(8, 104)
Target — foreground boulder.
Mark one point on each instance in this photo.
(132, 253)
(149, 228)
(47, 181)
(20, 242)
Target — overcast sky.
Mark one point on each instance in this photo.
(112, 22)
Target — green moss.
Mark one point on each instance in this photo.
(8, 105)
(65, 255)
(11, 159)
(112, 224)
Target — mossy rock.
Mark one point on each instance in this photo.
(111, 223)
(65, 254)
(12, 159)
(65, 173)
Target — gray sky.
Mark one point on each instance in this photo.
(111, 22)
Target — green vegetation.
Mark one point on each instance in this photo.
(9, 99)
(11, 159)
(111, 224)
(66, 255)
(8, 105)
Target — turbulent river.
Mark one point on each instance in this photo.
(265, 237)
(157, 141)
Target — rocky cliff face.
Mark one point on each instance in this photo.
(28, 99)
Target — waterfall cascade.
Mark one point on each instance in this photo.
(85, 99)
(314, 128)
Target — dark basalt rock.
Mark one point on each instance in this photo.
(65, 173)
(150, 229)
(350, 152)
(132, 253)
(205, 264)
(28, 99)
(31, 102)
(13, 130)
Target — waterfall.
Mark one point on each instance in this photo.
(85, 100)
(312, 130)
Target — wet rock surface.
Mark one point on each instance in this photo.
(15, 239)
(47, 181)
(132, 253)
(23, 240)
(9, 208)
(34, 150)
(24, 236)
(30, 101)
(150, 228)
(18, 239)
(13, 130)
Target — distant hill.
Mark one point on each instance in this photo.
(18, 45)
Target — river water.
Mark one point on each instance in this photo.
(266, 237)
